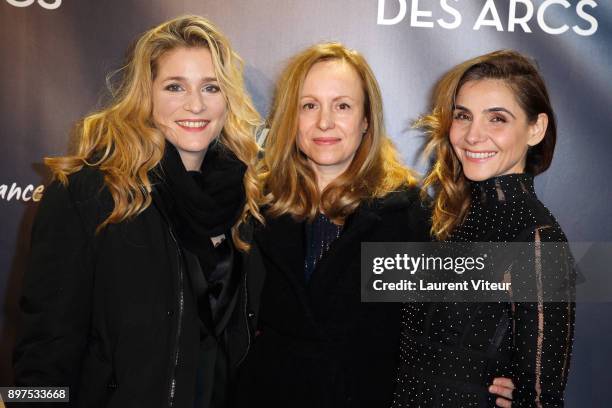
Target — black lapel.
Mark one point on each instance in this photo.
(342, 251)
(281, 241)
(199, 288)
(161, 206)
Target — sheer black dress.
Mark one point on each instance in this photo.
(451, 352)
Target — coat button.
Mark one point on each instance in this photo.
(251, 315)
(170, 313)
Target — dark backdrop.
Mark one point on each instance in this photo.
(54, 56)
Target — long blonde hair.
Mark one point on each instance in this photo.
(122, 140)
(290, 185)
(446, 178)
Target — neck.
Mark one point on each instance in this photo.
(326, 174)
(323, 180)
(192, 161)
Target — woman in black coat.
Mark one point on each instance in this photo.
(331, 180)
(129, 286)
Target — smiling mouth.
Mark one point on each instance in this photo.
(479, 155)
(192, 125)
(326, 140)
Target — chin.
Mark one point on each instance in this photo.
(195, 146)
(477, 175)
(476, 179)
(325, 160)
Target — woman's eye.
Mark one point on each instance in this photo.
(212, 88)
(461, 116)
(173, 88)
(344, 106)
(498, 119)
(308, 106)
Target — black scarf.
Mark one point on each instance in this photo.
(203, 204)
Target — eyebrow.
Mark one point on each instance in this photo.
(180, 78)
(335, 99)
(500, 109)
(494, 109)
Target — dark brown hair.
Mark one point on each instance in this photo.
(521, 75)
(446, 177)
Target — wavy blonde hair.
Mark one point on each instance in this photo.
(124, 143)
(446, 178)
(289, 183)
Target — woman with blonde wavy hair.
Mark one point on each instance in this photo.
(331, 179)
(492, 129)
(130, 280)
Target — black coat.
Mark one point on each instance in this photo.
(111, 315)
(317, 344)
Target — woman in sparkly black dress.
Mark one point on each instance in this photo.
(492, 129)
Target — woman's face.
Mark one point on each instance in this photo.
(331, 119)
(490, 133)
(188, 106)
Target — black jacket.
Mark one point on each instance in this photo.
(111, 315)
(317, 344)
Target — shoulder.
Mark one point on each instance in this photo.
(408, 198)
(84, 196)
(82, 185)
(85, 184)
(408, 201)
(541, 224)
(247, 228)
(405, 210)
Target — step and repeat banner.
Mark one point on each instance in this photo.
(55, 56)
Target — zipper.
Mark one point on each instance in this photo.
(172, 389)
(246, 318)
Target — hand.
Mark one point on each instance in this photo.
(502, 387)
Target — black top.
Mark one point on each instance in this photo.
(200, 205)
(319, 236)
(317, 344)
(451, 352)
